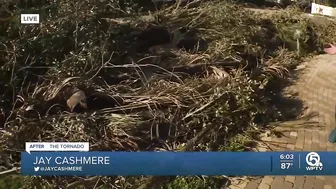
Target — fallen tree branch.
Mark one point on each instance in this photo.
(146, 68)
(178, 68)
(205, 106)
(14, 170)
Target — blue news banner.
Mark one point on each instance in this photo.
(178, 163)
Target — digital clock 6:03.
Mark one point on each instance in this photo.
(287, 156)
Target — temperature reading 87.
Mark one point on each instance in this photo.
(286, 165)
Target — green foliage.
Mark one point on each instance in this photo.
(196, 183)
(11, 182)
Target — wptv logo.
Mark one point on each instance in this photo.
(314, 162)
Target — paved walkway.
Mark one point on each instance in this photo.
(316, 86)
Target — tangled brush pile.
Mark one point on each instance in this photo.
(86, 74)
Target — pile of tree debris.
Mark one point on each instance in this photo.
(178, 79)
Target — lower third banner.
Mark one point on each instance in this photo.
(178, 163)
